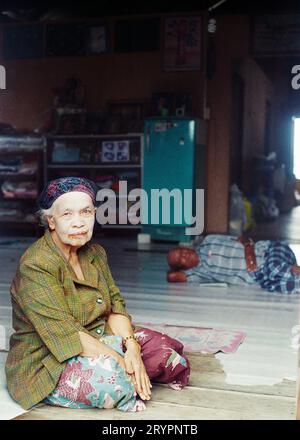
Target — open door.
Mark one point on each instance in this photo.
(296, 150)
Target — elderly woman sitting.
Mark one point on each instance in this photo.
(74, 344)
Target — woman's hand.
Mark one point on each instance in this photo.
(121, 325)
(136, 368)
(121, 362)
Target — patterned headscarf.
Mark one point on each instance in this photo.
(58, 187)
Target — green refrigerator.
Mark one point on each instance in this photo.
(173, 169)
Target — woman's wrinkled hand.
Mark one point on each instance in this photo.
(136, 368)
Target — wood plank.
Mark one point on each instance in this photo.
(207, 371)
(154, 411)
(194, 404)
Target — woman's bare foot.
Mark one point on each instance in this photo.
(139, 406)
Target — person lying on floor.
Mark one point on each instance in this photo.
(74, 344)
(224, 258)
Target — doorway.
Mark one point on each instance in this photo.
(296, 151)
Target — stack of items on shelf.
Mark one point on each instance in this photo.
(241, 214)
(108, 181)
(19, 190)
(111, 181)
(63, 153)
(11, 211)
(15, 164)
(15, 211)
(263, 190)
(28, 168)
(131, 177)
(10, 165)
(20, 177)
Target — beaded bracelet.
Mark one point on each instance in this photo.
(126, 339)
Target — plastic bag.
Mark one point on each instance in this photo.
(237, 211)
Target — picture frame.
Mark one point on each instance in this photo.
(182, 43)
(115, 151)
(97, 39)
(275, 34)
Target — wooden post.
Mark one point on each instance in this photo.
(298, 384)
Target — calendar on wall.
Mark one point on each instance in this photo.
(182, 43)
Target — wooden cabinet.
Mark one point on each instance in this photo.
(105, 159)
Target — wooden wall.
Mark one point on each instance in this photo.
(231, 42)
(136, 76)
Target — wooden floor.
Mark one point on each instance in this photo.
(256, 382)
(206, 398)
(285, 227)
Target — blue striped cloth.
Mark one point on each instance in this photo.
(222, 259)
(275, 275)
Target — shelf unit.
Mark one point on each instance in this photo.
(105, 159)
(21, 179)
(66, 166)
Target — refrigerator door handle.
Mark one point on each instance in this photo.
(148, 138)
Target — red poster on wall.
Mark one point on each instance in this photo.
(182, 43)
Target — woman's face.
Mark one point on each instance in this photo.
(183, 258)
(72, 219)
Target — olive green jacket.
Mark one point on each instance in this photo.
(50, 306)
